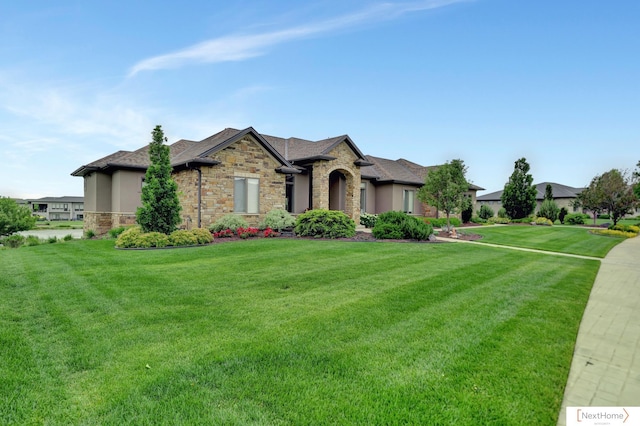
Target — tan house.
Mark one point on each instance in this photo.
(564, 196)
(57, 208)
(247, 173)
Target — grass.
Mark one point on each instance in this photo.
(277, 331)
(561, 239)
(59, 224)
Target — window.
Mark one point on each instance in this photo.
(245, 195)
(363, 197)
(408, 196)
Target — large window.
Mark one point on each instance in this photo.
(408, 196)
(246, 195)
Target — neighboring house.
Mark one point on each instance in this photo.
(564, 196)
(57, 208)
(247, 173)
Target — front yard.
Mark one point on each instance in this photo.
(285, 331)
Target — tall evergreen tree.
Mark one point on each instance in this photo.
(160, 210)
(548, 192)
(445, 187)
(519, 195)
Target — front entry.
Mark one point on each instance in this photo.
(337, 191)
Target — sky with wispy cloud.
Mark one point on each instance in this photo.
(486, 81)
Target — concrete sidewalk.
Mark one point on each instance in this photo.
(605, 370)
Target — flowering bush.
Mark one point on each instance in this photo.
(247, 232)
(270, 233)
(225, 233)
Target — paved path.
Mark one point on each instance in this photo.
(59, 233)
(605, 371)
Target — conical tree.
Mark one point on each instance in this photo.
(160, 210)
(519, 195)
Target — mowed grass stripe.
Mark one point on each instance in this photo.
(561, 239)
(371, 333)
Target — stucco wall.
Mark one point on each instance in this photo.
(126, 191)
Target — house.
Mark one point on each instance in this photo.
(57, 208)
(564, 196)
(248, 173)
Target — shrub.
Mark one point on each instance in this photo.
(113, 233)
(13, 241)
(129, 238)
(368, 220)
(399, 225)
(527, 219)
(562, 214)
(549, 210)
(152, 239)
(478, 219)
(182, 238)
(614, 233)
(322, 223)
(52, 240)
(202, 235)
(89, 234)
(604, 216)
(467, 211)
(502, 212)
(543, 221)
(500, 220)
(485, 212)
(574, 219)
(68, 237)
(269, 233)
(247, 232)
(225, 233)
(625, 228)
(31, 240)
(278, 219)
(229, 221)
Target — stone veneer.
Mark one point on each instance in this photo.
(343, 163)
(245, 158)
(101, 222)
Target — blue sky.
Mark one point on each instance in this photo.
(486, 81)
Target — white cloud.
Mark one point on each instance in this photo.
(241, 47)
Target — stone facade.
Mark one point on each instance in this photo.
(101, 222)
(344, 163)
(245, 158)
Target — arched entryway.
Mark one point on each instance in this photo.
(337, 191)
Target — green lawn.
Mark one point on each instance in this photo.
(278, 331)
(563, 239)
(59, 224)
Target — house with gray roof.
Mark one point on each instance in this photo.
(57, 208)
(248, 173)
(564, 196)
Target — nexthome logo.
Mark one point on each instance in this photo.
(603, 416)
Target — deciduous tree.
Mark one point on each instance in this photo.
(519, 195)
(445, 187)
(160, 210)
(14, 218)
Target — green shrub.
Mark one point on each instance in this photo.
(399, 225)
(614, 233)
(574, 219)
(90, 234)
(441, 221)
(229, 221)
(478, 219)
(604, 216)
(68, 237)
(625, 228)
(500, 220)
(115, 232)
(52, 240)
(485, 212)
(278, 219)
(182, 238)
(129, 238)
(562, 214)
(202, 235)
(549, 210)
(13, 241)
(31, 240)
(502, 213)
(543, 221)
(467, 212)
(152, 239)
(368, 220)
(527, 219)
(322, 223)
